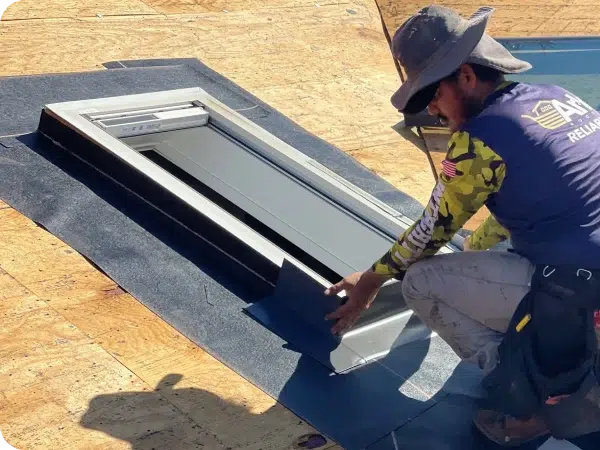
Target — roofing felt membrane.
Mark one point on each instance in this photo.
(418, 396)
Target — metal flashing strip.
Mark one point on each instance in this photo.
(386, 325)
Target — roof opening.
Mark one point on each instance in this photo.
(243, 216)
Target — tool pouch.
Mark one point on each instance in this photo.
(550, 347)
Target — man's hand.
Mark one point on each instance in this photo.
(361, 289)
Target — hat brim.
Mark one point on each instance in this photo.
(419, 101)
(455, 54)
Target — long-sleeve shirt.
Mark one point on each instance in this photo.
(471, 173)
(488, 234)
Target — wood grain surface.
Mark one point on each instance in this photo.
(83, 365)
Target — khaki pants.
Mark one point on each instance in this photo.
(469, 298)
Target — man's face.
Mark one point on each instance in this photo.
(455, 102)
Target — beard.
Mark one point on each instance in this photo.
(471, 107)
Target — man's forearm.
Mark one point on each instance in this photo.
(472, 171)
(488, 234)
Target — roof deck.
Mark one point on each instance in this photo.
(84, 363)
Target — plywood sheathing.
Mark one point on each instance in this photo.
(84, 365)
(511, 17)
(325, 65)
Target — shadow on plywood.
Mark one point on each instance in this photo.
(188, 417)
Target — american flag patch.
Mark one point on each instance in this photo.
(449, 168)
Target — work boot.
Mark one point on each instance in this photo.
(508, 431)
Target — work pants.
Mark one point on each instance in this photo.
(468, 299)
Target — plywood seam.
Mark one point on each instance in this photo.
(99, 16)
(152, 8)
(198, 15)
(269, 7)
(36, 19)
(103, 15)
(395, 142)
(21, 285)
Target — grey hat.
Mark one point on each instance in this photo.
(434, 43)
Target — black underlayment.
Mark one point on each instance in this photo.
(420, 396)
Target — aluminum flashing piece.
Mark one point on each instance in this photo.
(286, 206)
(387, 325)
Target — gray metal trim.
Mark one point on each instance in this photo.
(143, 123)
(377, 333)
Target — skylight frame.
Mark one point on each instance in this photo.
(378, 215)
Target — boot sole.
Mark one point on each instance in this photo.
(511, 443)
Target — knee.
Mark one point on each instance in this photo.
(413, 285)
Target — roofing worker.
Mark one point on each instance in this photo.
(531, 154)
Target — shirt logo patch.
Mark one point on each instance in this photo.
(546, 115)
(449, 168)
(553, 114)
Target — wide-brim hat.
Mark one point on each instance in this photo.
(434, 43)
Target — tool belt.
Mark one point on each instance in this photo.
(550, 348)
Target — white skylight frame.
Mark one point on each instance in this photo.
(76, 115)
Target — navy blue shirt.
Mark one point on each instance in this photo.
(549, 199)
(532, 156)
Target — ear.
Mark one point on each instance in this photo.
(467, 77)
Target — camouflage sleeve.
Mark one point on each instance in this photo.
(488, 234)
(472, 171)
